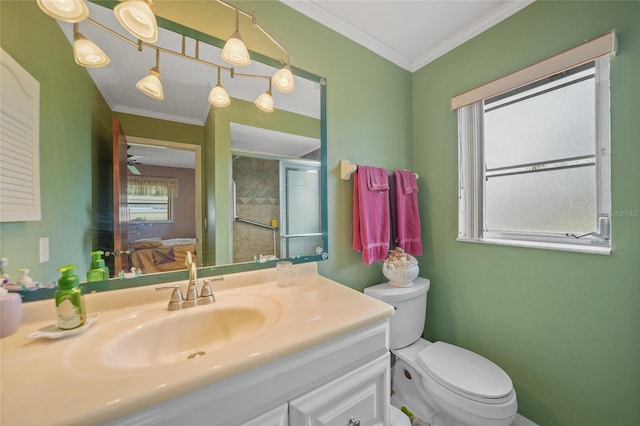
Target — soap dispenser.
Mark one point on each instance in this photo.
(69, 300)
(25, 281)
(98, 270)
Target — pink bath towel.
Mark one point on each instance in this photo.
(371, 213)
(406, 217)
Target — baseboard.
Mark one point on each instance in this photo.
(523, 421)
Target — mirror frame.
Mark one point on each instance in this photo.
(209, 271)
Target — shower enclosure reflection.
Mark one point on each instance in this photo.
(276, 197)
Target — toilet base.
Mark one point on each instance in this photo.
(405, 394)
(410, 389)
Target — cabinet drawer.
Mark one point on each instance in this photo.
(276, 417)
(361, 395)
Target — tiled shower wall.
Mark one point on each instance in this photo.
(257, 199)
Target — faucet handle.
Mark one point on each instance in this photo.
(206, 294)
(177, 300)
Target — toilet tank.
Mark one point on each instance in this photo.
(407, 323)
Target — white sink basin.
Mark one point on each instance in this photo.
(155, 336)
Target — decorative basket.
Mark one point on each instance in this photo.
(402, 276)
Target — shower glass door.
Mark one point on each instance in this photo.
(300, 220)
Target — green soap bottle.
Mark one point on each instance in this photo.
(98, 271)
(70, 308)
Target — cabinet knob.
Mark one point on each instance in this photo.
(354, 422)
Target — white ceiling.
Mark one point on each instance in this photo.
(409, 33)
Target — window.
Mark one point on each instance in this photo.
(150, 199)
(534, 163)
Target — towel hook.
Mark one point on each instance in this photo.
(346, 169)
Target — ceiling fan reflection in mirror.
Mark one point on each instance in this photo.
(132, 160)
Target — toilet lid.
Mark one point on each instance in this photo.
(465, 372)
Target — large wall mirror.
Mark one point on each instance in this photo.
(237, 187)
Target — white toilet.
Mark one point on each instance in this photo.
(441, 383)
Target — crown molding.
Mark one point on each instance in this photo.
(158, 115)
(318, 14)
(478, 27)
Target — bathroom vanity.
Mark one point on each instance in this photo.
(311, 353)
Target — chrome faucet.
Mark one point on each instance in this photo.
(178, 301)
(192, 289)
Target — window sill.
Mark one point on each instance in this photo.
(592, 249)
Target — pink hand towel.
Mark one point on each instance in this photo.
(370, 215)
(406, 220)
(377, 179)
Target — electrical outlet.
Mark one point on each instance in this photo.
(44, 249)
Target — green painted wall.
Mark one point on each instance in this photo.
(74, 120)
(565, 326)
(152, 128)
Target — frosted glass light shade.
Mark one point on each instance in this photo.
(151, 85)
(87, 53)
(235, 52)
(137, 17)
(219, 97)
(283, 80)
(65, 10)
(265, 102)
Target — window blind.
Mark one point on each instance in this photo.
(588, 51)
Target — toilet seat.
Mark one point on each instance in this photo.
(466, 373)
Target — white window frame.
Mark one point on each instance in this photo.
(471, 175)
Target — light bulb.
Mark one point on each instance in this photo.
(87, 53)
(219, 97)
(137, 17)
(65, 10)
(283, 80)
(235, 52)
(265, 101)
(151, 85)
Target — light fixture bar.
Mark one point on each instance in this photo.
(151, 85)
(138, 43)
(256, 25)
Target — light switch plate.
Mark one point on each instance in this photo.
(44, 249)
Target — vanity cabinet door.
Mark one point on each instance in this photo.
(276, 417)
(360, 397)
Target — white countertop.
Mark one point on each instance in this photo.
(49, 382)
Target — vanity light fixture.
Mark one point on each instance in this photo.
(86, 52)
(219, 97)
(283, 79)
(138, 18)
(65, 10)
(265, 101)
(151, 85)
(234, 50)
